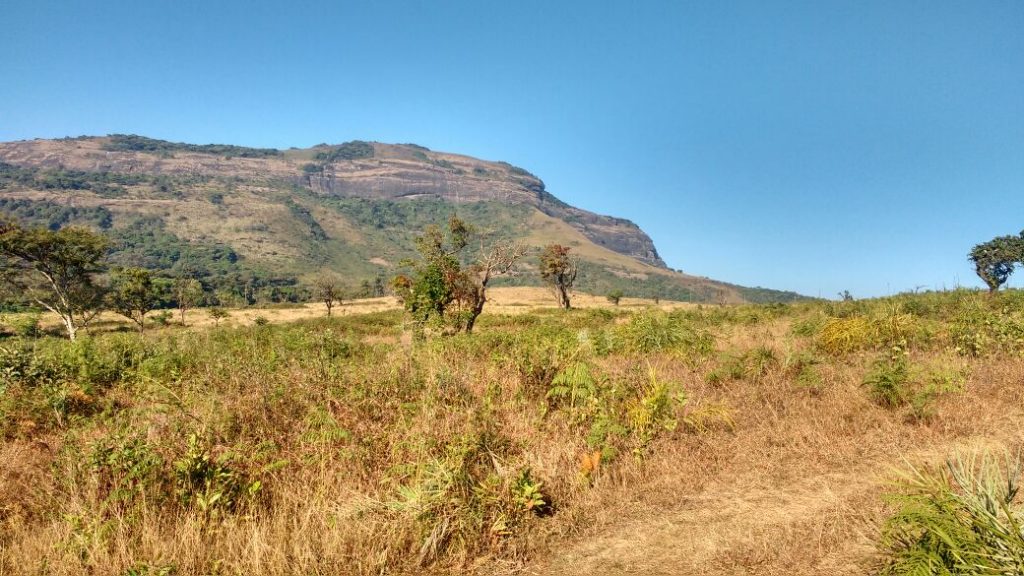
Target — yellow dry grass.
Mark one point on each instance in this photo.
(501, 300)
(795, 488)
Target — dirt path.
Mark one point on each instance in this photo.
(825, 524)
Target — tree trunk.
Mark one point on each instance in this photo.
(563, 297)
(478, 308)
(69, 325)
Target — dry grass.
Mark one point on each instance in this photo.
(501, 300)
(794, 487)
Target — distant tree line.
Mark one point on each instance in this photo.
(134, 143)
(73, 273)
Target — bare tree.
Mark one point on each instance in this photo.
(495, 261)
(187, 292)
(329, 291)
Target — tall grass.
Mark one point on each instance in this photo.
(344, 446)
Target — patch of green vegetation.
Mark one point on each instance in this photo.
(134, 143)
(958, 519)
(302, 213)
(758, 295)
(55, 216)
(104, 184)
(354, 150)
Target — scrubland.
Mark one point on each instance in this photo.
(808, 438)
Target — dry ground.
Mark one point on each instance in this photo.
(799, 488)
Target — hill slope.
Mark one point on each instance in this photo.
(261, 220)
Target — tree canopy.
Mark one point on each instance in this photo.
(56, 269)
(440, 288)
(995, 260)
(558, 268)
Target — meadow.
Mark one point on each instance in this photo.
(804, 438)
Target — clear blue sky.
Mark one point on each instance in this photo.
(814, 146)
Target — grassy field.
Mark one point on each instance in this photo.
(638, 439)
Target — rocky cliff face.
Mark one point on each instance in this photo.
(371, 171)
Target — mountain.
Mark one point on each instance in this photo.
(260, 222)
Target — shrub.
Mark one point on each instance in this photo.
(889, 381)
(462, 502)
(614, 297)
(126, 470)
(963, 519)
(894, 382)
(980, 331)
(217, 314)
(651, 331)
(844, 335)
(211, 485)
(808, 326)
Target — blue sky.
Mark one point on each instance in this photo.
(816, 146)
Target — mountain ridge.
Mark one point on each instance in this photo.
(350, 207)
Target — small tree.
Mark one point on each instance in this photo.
(559, 270)
(217, 314)
(378, 286)
(440, 288)
(55, 269)
(188, 292)
(328, 289)
(614, 296)
(471, 286)
(995, 260)
(134, 294)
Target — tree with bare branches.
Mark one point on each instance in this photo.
(441, 288)
(329, 290)
(471, 294)
(558, 268)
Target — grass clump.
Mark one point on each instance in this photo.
(963, 519)
(894, 382)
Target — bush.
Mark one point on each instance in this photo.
(844, 335)
(894, 383)
(614, 297)
(211, 484)
(889, 381)
(651, 331)
(25, 324)
(961, 519)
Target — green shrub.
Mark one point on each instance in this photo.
(981, 331)
(653, 330)
(808, 326)
(126, 470)
(893, 382)
(573, 387)
(211, 485)
(25, 324)
(963, 519)
(461, 502)
(889, 381)
(614, 297)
